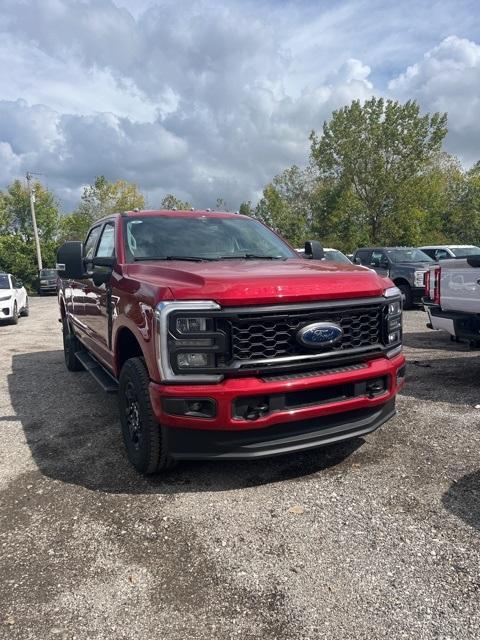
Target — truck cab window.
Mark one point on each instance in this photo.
(91, 242)
(106, 247)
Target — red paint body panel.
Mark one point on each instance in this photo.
(137, 288)
(227, 391)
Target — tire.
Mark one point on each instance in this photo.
(407, 296)
(14, 318)
(26, 309)
(142, 435)
(71, 345)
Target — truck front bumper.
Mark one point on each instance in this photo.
(285, 413)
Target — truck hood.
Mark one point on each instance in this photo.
(247, 282)
(414, 265)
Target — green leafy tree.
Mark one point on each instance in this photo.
(74, 226)
(15, 214)
(375, 150)
(246, 209)
(104, 197)
(286, 204)
(170, 202)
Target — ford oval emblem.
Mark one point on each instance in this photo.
(319, 334)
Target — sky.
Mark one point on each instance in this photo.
(209, 99)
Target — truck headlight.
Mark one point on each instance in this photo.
(189, 346)
(393, 320)
(419, 278)
(191, 325)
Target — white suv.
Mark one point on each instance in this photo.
(13, 298)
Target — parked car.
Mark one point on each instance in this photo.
(405, 266)
(331, 254)
(47, 281)
(13, 298)
(449, 251)
(452, 298)
(221, 342)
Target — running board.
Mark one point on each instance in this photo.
(95, 369)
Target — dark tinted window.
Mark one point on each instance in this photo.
(48, 273)
(205, 237)
(363, 257)
(429, 252)
(4, 281)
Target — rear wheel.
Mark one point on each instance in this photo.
(407, 295)
(71, 345)
(142, 435)
(14, 318)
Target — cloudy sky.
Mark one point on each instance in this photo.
(210, 99)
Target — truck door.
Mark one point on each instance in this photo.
(380, 263)
(77, 288)
(96, 299)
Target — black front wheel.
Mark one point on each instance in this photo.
(71, 346)
(407, 296)
(142, 435)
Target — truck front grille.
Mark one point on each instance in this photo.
(273, 335)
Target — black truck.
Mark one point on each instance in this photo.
(406, 266)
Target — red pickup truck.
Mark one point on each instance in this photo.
(222, 342)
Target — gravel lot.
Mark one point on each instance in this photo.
(376, 538)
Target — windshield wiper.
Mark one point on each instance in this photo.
(186, 258)
(252, 256)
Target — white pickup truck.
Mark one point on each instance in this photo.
(452, 298)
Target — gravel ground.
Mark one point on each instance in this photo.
(376, 538)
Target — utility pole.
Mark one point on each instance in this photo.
(31, 192)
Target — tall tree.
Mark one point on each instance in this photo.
(15, 214)
(104, 197)
(172, 202)
(375, 149)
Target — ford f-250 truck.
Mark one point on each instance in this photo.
(452, 298)
(222, 342)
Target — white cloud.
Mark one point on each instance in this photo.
(210, 98)
(448, 79)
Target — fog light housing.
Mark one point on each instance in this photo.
(393, 337)
(195, 360)
(190, 407)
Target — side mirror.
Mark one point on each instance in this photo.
(314, 250)
(70, 261)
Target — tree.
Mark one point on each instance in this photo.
(172, 202)
(103, 197)
(74, 226)
(376, 149)
(286, 204)
(15, 214)
(246, 209)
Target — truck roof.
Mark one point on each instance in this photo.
(173, 213)
(447, 246)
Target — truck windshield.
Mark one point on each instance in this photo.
(408, 254)
(463, 252)
(336, 256)
(4, 282)
(202, 238)
(48, 273)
